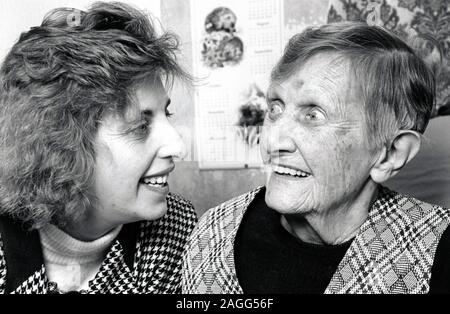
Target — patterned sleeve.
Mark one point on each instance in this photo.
(167, 238)
(208, 258)
(188, 219)
(2, 268)
(192, 255)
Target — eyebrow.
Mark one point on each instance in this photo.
(272, 94)
(148, 113)
(305, 99)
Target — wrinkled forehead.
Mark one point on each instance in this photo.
(325, 75)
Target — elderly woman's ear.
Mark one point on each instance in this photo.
(404, 147)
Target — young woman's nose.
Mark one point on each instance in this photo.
(171, 142)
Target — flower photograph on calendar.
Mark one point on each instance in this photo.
(251, 115)
(221, 47)
(235, 44)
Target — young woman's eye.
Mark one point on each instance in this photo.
(142, 129)
(275, 110)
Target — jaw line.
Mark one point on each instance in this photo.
(268, 176)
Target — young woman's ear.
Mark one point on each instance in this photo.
(405, 146)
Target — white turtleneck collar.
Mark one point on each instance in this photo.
(69, 262)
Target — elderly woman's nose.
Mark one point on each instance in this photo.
(279, 138)
(172, 144)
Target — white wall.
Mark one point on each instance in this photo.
(17, 16)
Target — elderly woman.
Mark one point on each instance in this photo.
(346, 106)
(86, 150)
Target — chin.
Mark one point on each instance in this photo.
(280, 204)
(283, 203)
(153, 212)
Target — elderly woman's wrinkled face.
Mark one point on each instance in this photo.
(134, 158)
(314, 139)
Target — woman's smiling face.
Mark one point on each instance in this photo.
(314, 139)
(134, 156)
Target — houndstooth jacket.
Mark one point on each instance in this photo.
(393, 251)
(144, 258)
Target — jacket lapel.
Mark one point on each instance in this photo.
(394, 249)
(22, 252)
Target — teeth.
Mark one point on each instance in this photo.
(289, 171)
(156, 180)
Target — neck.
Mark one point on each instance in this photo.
(89, 227)
(60, 247)
(334, 226)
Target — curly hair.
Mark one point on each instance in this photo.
(56, 83)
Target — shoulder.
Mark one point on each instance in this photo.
(179, 208)
(440, 271)
(20, 254)
(418, 221)
(233, 207)
(413, 207)
(227, 215)
(2, 267)
(160, 244)
(207, 259)
(178, 222)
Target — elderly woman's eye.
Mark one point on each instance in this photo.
(314, 114)
(169, 114)
(275, 110)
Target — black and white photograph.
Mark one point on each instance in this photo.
(233, 154)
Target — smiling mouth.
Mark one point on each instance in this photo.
(286, 171)
(156, 181)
